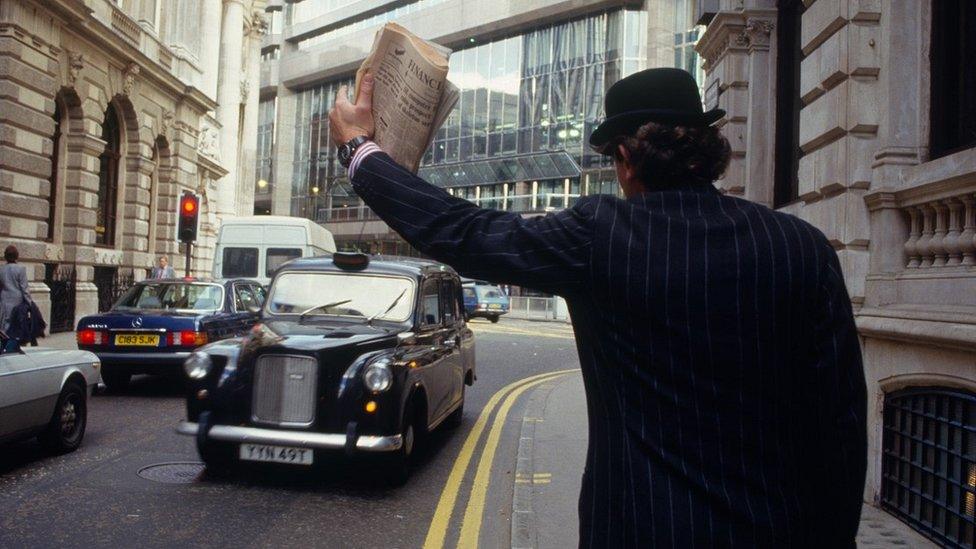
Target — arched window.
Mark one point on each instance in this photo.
(108, 179)
(52, 196)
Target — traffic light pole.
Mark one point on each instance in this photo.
(189, 247)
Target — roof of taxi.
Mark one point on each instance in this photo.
(377, 264)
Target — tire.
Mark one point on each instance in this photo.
(66, 429)
(397, 466)
(454, 420)
(493, 319)
(116, 380)
(218, 458)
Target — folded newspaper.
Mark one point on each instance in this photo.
(411, 94)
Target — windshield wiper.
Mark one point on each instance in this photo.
(388, 309)
(302, 316)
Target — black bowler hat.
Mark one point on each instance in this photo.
(666, 96)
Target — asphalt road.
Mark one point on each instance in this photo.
(99, 496)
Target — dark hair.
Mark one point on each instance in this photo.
(675, 155)
(10, 254)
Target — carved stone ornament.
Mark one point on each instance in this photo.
(129, 78)
(76, 62)
(758, 32)
(166, 123)
(245, 87)
(259, 24)
(208, 142)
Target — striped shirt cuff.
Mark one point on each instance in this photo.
(362, 152)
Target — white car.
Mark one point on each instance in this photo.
(44, 393)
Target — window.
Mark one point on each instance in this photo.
(450, 301)
(430, 304)
(260, 294)
(786, 187)
(240, 262)
(108, 179)
(52, 199)
(244, 298)
(929, 462)
(276, 257)
(953, 82)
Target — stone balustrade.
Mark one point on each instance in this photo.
(942, 233)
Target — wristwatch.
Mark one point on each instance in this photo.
(348, 149)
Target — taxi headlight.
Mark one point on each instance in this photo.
(378, 376)
(198, 365)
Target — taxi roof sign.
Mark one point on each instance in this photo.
(350, 261)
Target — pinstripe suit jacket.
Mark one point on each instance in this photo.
(725, 391)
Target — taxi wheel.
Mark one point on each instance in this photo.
(493, 318)
(398, 465)
(67, 426)
(114, 379)
(218, 458)
(457, 416)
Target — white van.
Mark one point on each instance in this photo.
(255, 246)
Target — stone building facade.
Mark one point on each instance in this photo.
(109, 110)
(858, 116)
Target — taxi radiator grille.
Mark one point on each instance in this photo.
(284, 390)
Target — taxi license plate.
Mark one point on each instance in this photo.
(494, 306)
(140, 340)
(276, 454)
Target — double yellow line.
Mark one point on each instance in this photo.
(474, 511)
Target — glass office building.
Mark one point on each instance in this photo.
(517, 138)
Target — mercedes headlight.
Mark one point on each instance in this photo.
(378, 376)
(198, 365)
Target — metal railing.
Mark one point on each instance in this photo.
(521, 203)
(538, 308)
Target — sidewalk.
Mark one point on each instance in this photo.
(61, 340)
(551, 455)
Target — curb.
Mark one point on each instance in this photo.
(525, 533)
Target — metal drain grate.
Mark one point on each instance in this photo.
(181, 472)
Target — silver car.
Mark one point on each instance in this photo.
(44, 393)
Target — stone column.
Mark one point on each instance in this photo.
(762, 93)
(210, 49)
(249, 135)
(284, 151)
(229, 90)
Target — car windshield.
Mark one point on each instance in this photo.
(492, 293)
(357, 295)
(178, 296)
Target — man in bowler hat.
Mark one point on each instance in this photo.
(724, 385)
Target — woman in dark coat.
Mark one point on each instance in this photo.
(13, 286)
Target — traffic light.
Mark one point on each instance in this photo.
(189, 217)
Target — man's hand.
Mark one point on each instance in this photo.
(347, 120)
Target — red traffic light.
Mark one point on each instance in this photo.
(188, 222)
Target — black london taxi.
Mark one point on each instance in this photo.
(350, 355)
(156, 324)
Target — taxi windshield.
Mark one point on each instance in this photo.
(178, 296)
(342, 294)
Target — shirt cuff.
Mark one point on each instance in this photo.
(362, 152)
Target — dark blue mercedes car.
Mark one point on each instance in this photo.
(156, 324)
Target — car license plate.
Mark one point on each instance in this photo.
(140, 340)
(276, 454)
(494, 306)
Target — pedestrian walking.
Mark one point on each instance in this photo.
(724, 385)
(162, 269)
(13, 286)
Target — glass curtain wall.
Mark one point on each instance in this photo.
(303, 14)
(542, 91)
(319, 183)
(538, 92)
(267, 111)
(686, 35)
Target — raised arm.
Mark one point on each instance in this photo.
(549, 253)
